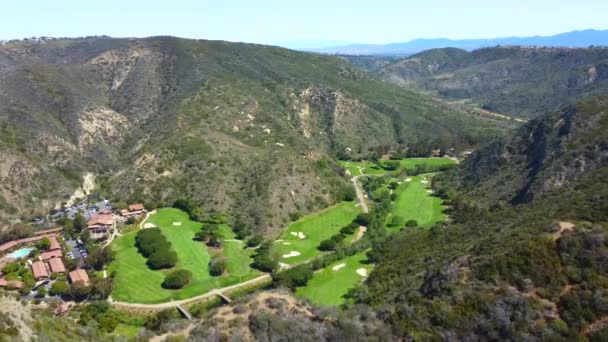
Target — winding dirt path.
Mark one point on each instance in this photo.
(360, 196)
(174, 303)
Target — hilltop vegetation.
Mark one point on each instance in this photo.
(525, 255)
(246, 129)
(518, 81)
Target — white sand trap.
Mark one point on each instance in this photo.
(423, 181)
(279, 240)
(338, 267)
(283, 265)
(177, 223)
(298, 234)
(149, 225)
(430, 191)
(362, 272)
(233, 240)
(291, 254)
(408, 179)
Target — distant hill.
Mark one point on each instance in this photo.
(518, 81)
(582, 38)
(240, 128)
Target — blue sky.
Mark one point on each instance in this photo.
(273, 22)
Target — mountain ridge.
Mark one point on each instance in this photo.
(577, 38)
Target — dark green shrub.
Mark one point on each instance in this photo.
(177, 279)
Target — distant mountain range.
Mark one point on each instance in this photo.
(582, 38)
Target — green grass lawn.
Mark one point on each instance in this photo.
(135, 282)
(328, 286)
(370, 168)
(414, 202)
(412, 162)
(358, 168)
(316, 228)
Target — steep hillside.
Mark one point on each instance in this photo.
(519, 81)
(242, 128)
(525, 257)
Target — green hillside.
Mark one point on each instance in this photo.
(246, 129)
(519, 81)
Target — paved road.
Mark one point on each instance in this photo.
(360, 196)
(175, 303)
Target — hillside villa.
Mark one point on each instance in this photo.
(101, 225)
(79, 275)
(134, 210)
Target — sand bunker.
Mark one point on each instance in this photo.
(291, 254)
(424, 181)
(287, 243)
(362, 272)
(149, 225)
(338, 267)
(177, 223)
(430, 191)
(408, 179)
(299, 235)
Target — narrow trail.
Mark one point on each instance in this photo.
(360, 196)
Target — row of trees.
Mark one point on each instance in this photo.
(153, 245)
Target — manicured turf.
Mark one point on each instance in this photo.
(316, 228)
(412, 162)
(135, 282)
(358, 168)
(328, 287)
(371, 168)
(415, 203)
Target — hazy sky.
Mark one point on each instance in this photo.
(265, 21)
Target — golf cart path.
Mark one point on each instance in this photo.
(174, 303)
(359, 192)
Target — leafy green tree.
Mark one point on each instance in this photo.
(411, 223)
(177, 279)
(328, 245)
(163, 258)
(43, 244)
(293, 277)
(41, 292)
(218, 266)
(80, 222)
(59, 288)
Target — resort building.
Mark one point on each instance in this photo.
(51, 254)
(54, 243)
(133, 211)
(79, 275)
(39, 270)
(101, 225)
(56, 265)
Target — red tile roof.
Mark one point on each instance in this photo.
(52, 254)
(48, 231)
(136, 207)
(8, 245)
(79, 275)
(54, 243)
(56, 265)
(39, 270)
(103, 220)
(11, 283)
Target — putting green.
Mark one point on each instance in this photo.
(305, 235)
(414, 202)
(329, 285)
(135, 282)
